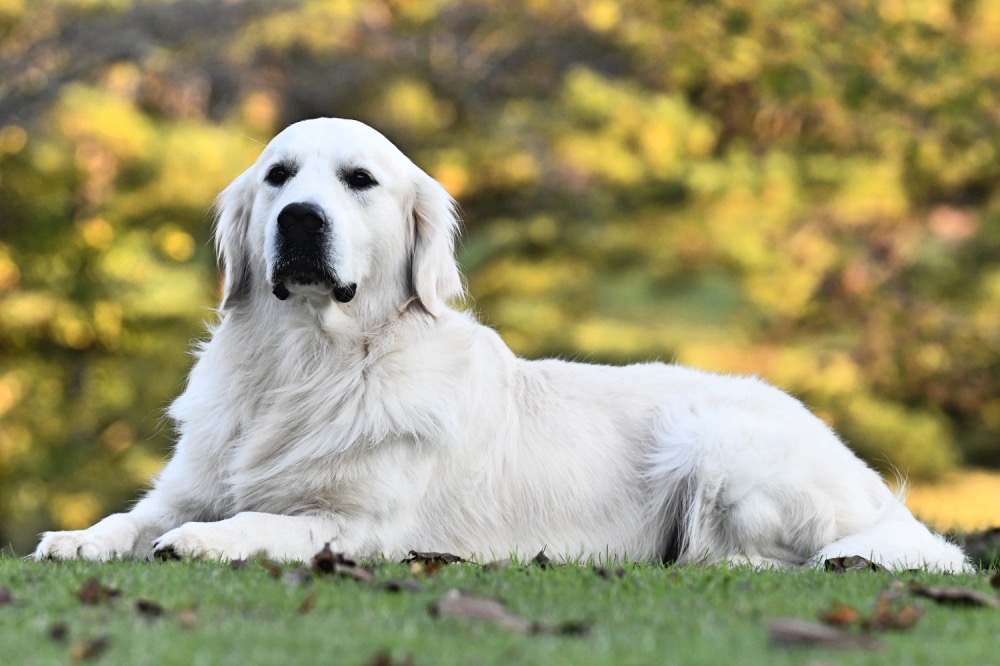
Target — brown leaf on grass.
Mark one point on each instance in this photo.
(791, 632)
(887, 617)
(429, 563)
(359, 574)
(542, 560)
(328, 562)
(58, 631)
(431, 557)
(425, 569)
(384, 658)
(405, 585)
(458, 604)
(307, 604)
(955, 596)
(995, 581)
(850, 563)
(89, 649)
(7, 598)
(567, 628)
(92, 593)
(888, 613)
(148, 608)
(272, 568)
(840, 615)
(890, 610)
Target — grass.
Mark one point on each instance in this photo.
(215, 614)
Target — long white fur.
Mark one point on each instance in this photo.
(394, 422)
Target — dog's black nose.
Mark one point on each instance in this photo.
(299, 221)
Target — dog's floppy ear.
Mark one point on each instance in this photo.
(232, 223)
(435, 272)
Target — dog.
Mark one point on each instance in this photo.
(341, 401)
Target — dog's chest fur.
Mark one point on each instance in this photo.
(346, 420)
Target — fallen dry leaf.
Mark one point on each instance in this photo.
(428, 563)
(955, 596)
(307, 604)
(406, 585)
(850, 563)
(490, 610)
(542, 560)
(424, 569)
(887, 617)
(325, 560)
(890, 611)
(359, 574)
(328, 562)
(840, 615)
(384, 658)
(89, 649)
(92, 592)
(568, 628)
(995, 581)
(479, 608)
(148, 608)
(431, 557)
(58, 631)
(790, 632)
(272, 568)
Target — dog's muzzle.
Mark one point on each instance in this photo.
(302, 252)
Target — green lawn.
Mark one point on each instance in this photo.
(206, 613)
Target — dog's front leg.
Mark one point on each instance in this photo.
(290, 538)
(119, 536)
(181, 493)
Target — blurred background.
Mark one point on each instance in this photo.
(800, 189)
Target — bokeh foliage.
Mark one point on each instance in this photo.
(805, 190)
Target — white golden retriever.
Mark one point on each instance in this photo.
(341, 400)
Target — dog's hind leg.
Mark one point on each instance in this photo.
(899, 542)
(741, 472)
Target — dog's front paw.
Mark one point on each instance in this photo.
(75, 545)
(112, 538)
(210, 541)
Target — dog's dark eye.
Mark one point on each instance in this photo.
(359, 179)
(278, 174)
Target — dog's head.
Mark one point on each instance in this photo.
(332, 210)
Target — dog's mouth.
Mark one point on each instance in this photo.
(300, 276)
